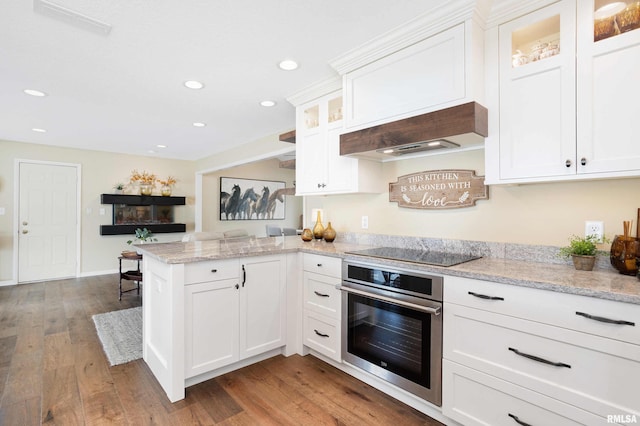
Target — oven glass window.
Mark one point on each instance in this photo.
(415, 284)
(391, 337)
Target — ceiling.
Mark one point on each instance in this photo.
(123, 91)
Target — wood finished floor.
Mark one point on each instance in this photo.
(53, 371)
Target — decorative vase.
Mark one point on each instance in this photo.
(307, 235)
(583, 263)
(318, 229)
(624, 251)
(329, 234)
(146, 189)
(165, 191)
(118, 191)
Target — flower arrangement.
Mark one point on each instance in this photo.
(143, 178)
(170, 181)
(143, 236)
(118, 186)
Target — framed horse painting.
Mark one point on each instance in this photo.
(251, 199)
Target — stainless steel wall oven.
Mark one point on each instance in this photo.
(392, 326)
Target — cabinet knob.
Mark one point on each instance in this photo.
(214, 270)
(322, 185)
(237, 286)
(567, 163)
(25, 231)
(583, 161)
(319, 265)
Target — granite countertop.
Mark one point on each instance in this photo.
(604, 284)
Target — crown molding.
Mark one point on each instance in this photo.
(316, 91)
(506, 10)
(425, 25)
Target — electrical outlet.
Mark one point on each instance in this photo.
(594, 227)
(365, 222)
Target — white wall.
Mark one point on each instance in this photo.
(544, 214)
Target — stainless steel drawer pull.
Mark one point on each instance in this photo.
(517, 420)
(607, 320)
(320, 294)
(320, 334)
(484, 296)
(537, 358)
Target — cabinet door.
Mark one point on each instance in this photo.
(262, 305)
(608, 93)
(341, 172)
(211, 326)
(310, 162)
(537, 93)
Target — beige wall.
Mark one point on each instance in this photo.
(544, 214)
(100, 171)
(261, 170)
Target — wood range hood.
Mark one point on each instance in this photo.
(455, 127)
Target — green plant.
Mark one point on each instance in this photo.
(119, 186)
(582, 246)
(143, 235)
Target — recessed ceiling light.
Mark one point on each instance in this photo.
(34, 92)
(267, 103)
(288, 65)
(199, 124)
(39, 130)
(161, 146)
(192, 84)
(387, 151)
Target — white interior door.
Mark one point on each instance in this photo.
(47, 229)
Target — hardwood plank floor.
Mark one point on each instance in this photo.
(53, 371)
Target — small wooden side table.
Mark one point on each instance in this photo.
(131, 275)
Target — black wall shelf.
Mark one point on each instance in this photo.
(141, 200)
(161, 228)
(166, 226)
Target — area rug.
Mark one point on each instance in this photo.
(120, 333)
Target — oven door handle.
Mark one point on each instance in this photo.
(427, 309)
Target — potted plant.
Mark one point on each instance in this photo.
(118, 187)
(143, 236)
(582, 250)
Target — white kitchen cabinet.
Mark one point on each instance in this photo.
(608, 93)
(569, 115)
(211, 326)
(263, 313)
(322, 305)
(416, 79)
(537, 94)
(319, 167)
(582, 354)
(231, 319)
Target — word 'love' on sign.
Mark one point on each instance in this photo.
(439, 189)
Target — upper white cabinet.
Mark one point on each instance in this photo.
(319, 167)
(564, 90)
(608, 90)
(537, 93)
(427, 75)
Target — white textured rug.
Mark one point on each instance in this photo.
(120, 333)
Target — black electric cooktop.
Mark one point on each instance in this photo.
(436, 258)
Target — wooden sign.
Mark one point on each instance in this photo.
(439, 189)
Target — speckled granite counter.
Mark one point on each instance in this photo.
(605, 284)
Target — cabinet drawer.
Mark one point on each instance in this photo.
(330, 266)
(474, 399)
(212, 270)
(322, 334)
(591, 372)
(560, 309)
(321, 295)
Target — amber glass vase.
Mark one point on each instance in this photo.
(329, 233)
(318, 229)
(624, 254)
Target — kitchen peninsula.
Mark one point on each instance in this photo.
(214, 306)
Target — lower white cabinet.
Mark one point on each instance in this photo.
(501, 349)
(233, 319)
(322, 305)
(212, 312)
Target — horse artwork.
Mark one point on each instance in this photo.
(252, 199)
